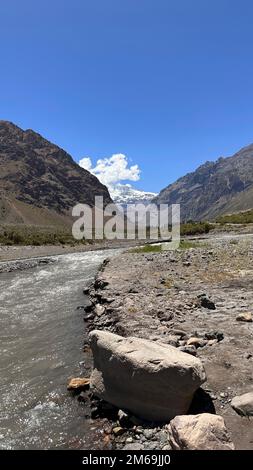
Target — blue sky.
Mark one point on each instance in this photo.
(166, 82)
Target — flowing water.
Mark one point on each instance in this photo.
(41, 342)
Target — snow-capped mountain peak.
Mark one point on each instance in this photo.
(127, 194)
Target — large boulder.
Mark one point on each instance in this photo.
(152, 380)
(199, 432)
(243, 404)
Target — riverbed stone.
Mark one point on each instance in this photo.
(78, 384)
(206, 302)
(123, 418)
(118, 430)
(199, 432)
(246, 317)
(134, 446)
(197, 342)
(154, 381)
(99, 310)
(188, 350)
(243, 404)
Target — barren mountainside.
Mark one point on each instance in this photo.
(39, 178)
(215, 188)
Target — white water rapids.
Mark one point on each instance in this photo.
(41, 342)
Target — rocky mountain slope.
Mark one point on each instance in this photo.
(40, 182)
(215, 188)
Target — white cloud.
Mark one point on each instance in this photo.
(112, 170)
(86, 163)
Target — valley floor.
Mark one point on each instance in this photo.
(174, 296)
(19, 252)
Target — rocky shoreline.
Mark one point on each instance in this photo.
(198, 300)
(25, 252)
(20, 265)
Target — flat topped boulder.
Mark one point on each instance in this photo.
(152, 380)
(199, 432)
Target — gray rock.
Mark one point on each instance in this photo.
(152, 380)
(243, 404)
(197, 342)
(152, 445)
(206, 302)
(180, 333)
(212, 335)
(118, 430)
(148, 433)
(188, 350)
(199, 432)
(123, 418)
(245, 317)
(99, 310)
(134, 446)
(163, 437)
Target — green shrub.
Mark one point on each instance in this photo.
(195, 228)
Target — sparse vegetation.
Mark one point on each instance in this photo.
(35, 235)
(147, 249)
(195, 228)
(186, 245)
(239, 218)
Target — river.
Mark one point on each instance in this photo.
(41, 347)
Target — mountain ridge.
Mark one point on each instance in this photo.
(38, 173)
(214, 188)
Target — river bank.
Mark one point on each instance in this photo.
(19, 257)
(189, 298)
(19, 252)
(27, 252)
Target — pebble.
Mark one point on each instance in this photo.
(148, 433)
(123, 417)
(78, 383)
(244, 317)
(118, 431)
(134, 446)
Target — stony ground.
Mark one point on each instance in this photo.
(194, 296)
